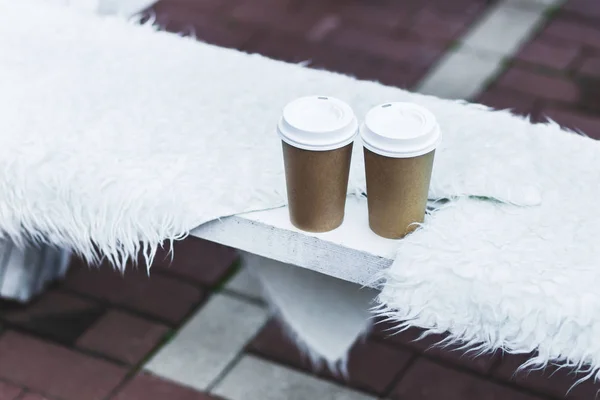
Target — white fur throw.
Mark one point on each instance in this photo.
(27, 269)
(125, 8)
(113, 134)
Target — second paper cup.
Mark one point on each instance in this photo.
(399, 146)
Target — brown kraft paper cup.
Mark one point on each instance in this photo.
(317, 182)
(399, 148)
(397, 191)
(317, 134)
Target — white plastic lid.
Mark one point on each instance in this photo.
(317, 123)
(400, 130)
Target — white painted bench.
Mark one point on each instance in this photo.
(351, 252)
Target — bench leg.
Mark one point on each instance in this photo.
(25, 271)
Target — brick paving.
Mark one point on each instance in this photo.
(55, 370)
(122, 336)
(98, 353)
(33, 396)
(415, 340)
(60, 316)
(9, 391)
(551, 381)
(164, 297)
(198, 260)
(394, 42)
(372, 366)
(557, 74)
(147, 387)
(402, 367)
(429, 380)
(88, 337)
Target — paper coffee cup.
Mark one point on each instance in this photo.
(317, 134)
(399, 142)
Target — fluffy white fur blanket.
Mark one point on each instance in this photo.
(27, 269)
(125, 8)
(113, 134)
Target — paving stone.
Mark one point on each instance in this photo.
(584, 8)
(392, 74)
(502, 99)
(503, 29)
(368, 67)
(8, 391)
(413, 338)
(404, 50)
(372, 366)
(316, 55)
(57, 371)
(287, 48)
(574, 31)
(551, 55)
(426, 380)
(444, 27)
(123, 337)
(272, 342)
(213, 7)
(544, 86)
(323, 27)
(577, 121)
(206, 28)
(148, 387)
(278, 16)
(539, 5)
(33, 396)
(60, 316)
(551, 381)
(208, 342)
(460, 6)
(196, 259)
(590, 93)
(372, 15)
(254, 379)
(263, 11)
(164, 297)
(246, 284)
(591, 66)
(449, 79)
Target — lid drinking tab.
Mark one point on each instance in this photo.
(317, 123)
(400, 130)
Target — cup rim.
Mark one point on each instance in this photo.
(334, 134)
(387, 145)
